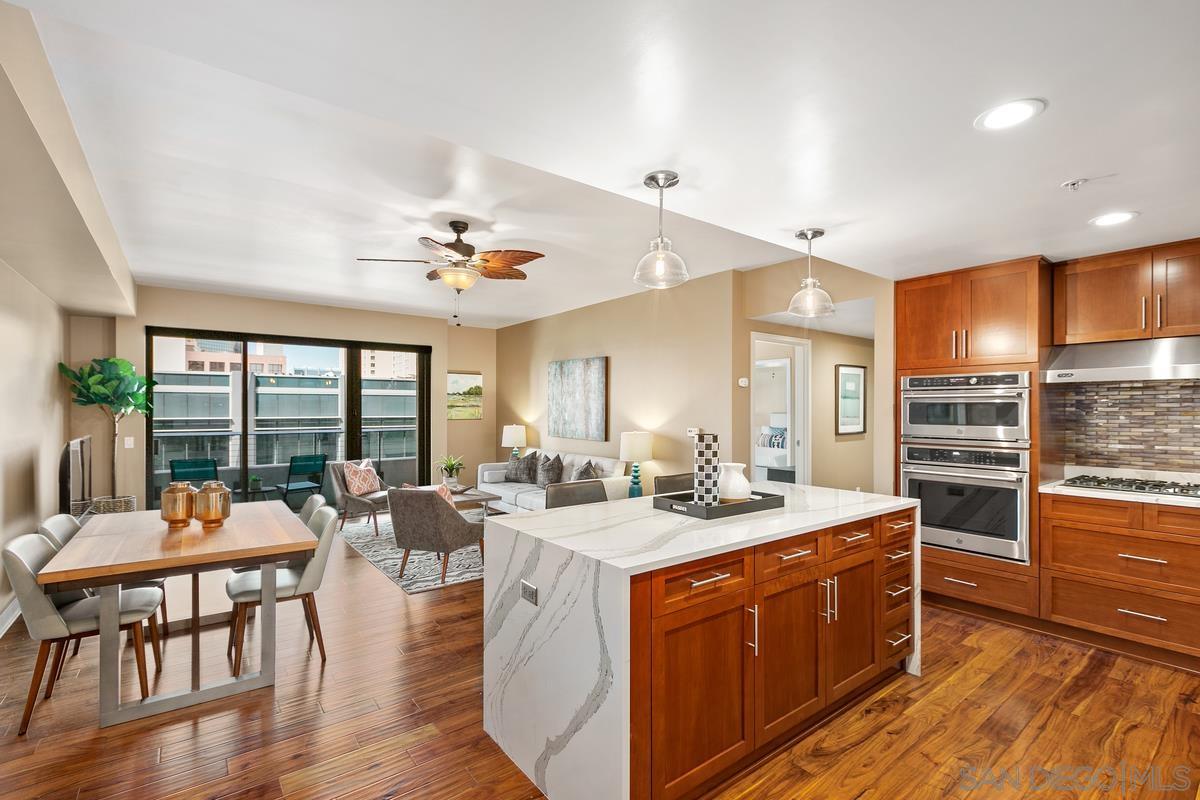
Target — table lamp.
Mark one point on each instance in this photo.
(636, 446)
(513, 436)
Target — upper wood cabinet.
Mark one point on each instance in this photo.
(995, 314)
(1139, 294)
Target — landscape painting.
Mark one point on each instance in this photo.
(464, 395)
(577, 398)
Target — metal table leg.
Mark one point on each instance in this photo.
(110, 654)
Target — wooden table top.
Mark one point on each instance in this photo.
(138, 544)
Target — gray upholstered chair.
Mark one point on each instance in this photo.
(575, 493)
(670, 484)
(298, 580)
(310, 507)
(51, 624)
(59, 529)
(422, 520)
(350, 505)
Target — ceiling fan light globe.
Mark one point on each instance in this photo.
(458, 278)
(661, 268)
(811, 301)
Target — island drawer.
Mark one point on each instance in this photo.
(1008, 591)
(896, 594)
(686, 585)
(1094, 510)
(1172, 519)
(853, 537)
(896, 641)
(786, 556)
(1163, 559)
(898, 527)
(897, 556)
(1151, 616)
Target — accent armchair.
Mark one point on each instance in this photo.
(422, 520)
(352, 505)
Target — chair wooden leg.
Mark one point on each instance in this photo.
(35, 683)
(60, 650)
(155, 642)
(233, 615)
(404, 562)
(166, 625)
(445, 565)
(239, 638)
(375, 519)
(307, 617)
(345, 514)
(311, 601)
(139, 655)
(75, 650)
(481, 560)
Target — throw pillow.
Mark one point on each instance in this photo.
(444, 492)
(587, 472)
(361, 478)
(549, 471)
(522, 470)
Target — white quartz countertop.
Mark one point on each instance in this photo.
(1057, 487)
(634, 537)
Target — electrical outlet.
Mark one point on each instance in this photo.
(128, 442)
(528, 592)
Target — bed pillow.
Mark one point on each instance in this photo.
(361, 478)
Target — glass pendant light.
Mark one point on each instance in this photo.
(811, 301)
(661, 268)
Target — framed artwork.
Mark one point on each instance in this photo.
(850, 401)
(577, 398)
(464, 395)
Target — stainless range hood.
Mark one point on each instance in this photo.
(1141, 360)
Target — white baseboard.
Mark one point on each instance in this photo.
(9, 615)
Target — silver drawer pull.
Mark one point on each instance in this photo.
(854, 538)
(904, 637)
(899, 525)
(754, 644)
(899, 554)
(717, 576)
(1140, 614)
(797, 554)
(964, 583)
(1142, 558)
(897, 592)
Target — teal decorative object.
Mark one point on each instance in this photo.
(635, 480)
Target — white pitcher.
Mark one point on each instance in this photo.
(732, 484)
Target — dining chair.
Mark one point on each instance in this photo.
(670, 484)
(422, 520)
(301, 471)
(299, 580)
(194, 469)
(306, 511)
(50, 624)
(59, 529)
(575, 493)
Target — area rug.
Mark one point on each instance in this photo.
(424, 570)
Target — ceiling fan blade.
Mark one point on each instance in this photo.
(432, 275)
(401, 260)
(500, 273)
(440, 249)
(505, 258)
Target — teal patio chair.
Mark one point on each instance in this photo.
(301, 472)
(194, 470)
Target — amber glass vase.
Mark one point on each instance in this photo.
(212, 504)
(178, 503)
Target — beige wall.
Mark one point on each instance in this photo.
(471, 350)
(33, 408)
(668, 353)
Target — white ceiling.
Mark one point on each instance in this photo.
(850, 318)
(855, 116)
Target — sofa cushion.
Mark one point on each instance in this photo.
(361, 478)
(508, 491)
(523, 469)
(605, 467)
(534, 500)
(550, 470)
(587, 472)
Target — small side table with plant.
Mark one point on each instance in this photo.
(450, 466)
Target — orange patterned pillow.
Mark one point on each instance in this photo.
(361, 478)
(444, 492)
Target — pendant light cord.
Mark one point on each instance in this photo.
(660, 211)
(809, 239)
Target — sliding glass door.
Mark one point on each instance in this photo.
(244, 406)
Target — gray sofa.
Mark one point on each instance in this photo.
(516, 497)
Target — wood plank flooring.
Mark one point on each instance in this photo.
(396, 713)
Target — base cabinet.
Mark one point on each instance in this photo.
(852, 633)
(788, 685)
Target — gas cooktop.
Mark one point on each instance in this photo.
(1134, 485)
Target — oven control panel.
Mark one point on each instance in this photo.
(981, 381)
(1004, 459)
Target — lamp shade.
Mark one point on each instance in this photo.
(661, 268)
(637, 446)
(458, 277)
(513, 436)
(811, 301)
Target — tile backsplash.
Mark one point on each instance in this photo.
(1137, 425)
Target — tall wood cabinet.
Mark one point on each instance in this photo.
(995, 314)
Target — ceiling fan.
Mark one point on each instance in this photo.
(459, 266)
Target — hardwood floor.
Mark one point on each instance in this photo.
(396, 713)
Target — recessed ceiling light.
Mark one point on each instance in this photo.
(1112, 218)
(1010, 114)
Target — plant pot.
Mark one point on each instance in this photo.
(256, 486)
(450, 481)
(114, 505)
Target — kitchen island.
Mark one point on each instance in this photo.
(635, 653)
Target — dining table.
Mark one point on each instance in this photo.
(129, 547)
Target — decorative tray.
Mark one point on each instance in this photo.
(682, 503)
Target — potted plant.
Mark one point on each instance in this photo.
(255, 483)
(113, 385)
(450, 466)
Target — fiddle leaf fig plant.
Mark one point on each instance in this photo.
(112, 385)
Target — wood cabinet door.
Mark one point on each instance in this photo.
(1000, 314)
(702, 692)
(928, 312)
(787, 666)
(852, 627)
(1103, 299)
(1177, 290)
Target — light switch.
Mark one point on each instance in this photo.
(128, 442)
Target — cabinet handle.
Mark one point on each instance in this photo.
(754, 644)
(896, 556)
(964, 583)
(1158, 310)
(836, 602)
(953, 344)
(1140, 614)
(899, 591)
(966, 344)
(854, 538)
(899, 525)
(1143, 312)
(1132, 557)
(827, 613)
(904, 637)
(797, 554)
(717, 576)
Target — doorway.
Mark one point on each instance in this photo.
(780, 408)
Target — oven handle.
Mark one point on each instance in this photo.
(980, 475)
(925, 394)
